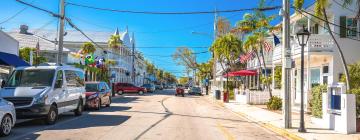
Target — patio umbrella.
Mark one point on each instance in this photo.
(241, 73)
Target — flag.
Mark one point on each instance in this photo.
(276, 40)
(243, 59)
(267, 47)
(252, 54)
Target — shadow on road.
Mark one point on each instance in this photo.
(114, 109)
(87, 121)
(126, 99)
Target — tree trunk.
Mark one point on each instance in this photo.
(258, 58)
(340, 52)
(266, 76)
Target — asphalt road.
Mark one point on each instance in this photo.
(154, 116)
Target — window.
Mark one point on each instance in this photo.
(325, 69)
(325, 80)
(74, 78)
(31, 78)
(351, 24)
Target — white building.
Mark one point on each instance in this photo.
(29, 38)
(322, 61)
(8, 45)
(123, 68)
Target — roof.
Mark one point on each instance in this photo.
(31, 40)
(76, 36)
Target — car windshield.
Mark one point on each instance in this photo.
(195, 88)
(146, 85)
(31, 78)
(91, 87)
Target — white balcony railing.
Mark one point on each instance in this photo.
(316, 43)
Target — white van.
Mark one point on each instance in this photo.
(45, 91)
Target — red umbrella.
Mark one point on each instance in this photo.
(241, 73)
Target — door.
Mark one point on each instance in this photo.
(132, 88)
(102, 93)
(73, 92)
(59, 93)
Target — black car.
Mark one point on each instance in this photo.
(195, 91)
(149, 87)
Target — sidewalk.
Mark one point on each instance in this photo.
(274, 122)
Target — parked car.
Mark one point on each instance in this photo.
(121, 88)
(7, 117)
(180, 91)
(195, 91)
(97, 94)
(149, 87)
(159, 87)
(45, 91)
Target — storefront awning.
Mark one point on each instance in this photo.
(11, 60)
(241, 73)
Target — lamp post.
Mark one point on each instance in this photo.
(303, 37)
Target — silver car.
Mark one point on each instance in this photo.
(7, 116)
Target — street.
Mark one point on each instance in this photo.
(159, 115)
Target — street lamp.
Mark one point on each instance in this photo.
(303, 37)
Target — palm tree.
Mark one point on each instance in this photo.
(115, 42)
(88, 48)
(227, 49)
(257, 27)
(320, 11)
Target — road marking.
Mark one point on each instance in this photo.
(228, 135)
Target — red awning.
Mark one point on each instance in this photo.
(241, 73)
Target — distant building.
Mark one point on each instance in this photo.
(123, 71)
(47, 48)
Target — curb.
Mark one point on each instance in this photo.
(280, 131)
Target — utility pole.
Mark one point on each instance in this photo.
(133, 61)
(286, 64)
(61, 31)
(194, 70)
(213, 55)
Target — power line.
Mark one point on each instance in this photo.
(174, 13)
(325, 21)
(15, 15)
(351, 10)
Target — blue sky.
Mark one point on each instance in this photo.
(165, 32)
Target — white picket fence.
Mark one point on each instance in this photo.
(254, 97)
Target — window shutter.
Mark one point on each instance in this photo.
(316, 29)
(342, 26)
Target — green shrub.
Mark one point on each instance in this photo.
(354, 71)
(274, 103)
(231, 95)
(316, 100)
(277, 77)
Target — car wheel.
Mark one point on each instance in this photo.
(141, 92)
(6, 125)
(109, 103)
(98, 106)
(183, 95)
(120, 92)
(52, 115)
(79, 109)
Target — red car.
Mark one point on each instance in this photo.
(97, 94)
(121, 88)
(180, 91)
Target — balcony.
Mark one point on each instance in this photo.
(317, 43)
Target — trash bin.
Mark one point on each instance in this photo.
(217, 94)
